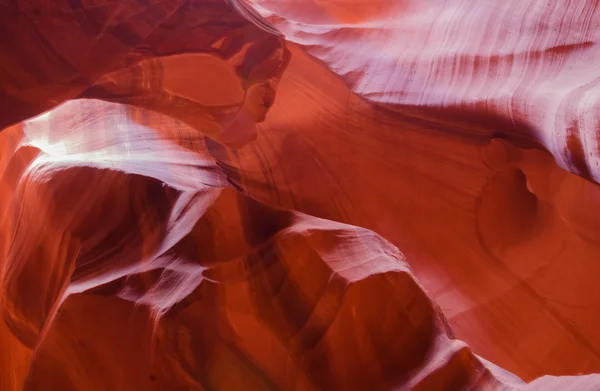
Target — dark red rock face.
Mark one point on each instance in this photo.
(299, 195)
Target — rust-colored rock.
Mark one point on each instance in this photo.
(299, 195)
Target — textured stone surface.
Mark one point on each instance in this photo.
(217, 206)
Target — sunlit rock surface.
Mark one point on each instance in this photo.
(299, 195)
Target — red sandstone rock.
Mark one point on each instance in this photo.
(152, 243)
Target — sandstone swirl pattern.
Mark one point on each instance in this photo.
(204, 206)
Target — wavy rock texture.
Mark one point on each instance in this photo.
(207, 209)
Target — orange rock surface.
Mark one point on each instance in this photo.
(299, 195)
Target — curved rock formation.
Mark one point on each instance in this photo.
(161, 231)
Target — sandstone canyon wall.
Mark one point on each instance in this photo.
(299, 195)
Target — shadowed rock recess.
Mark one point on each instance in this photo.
(230, 195)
